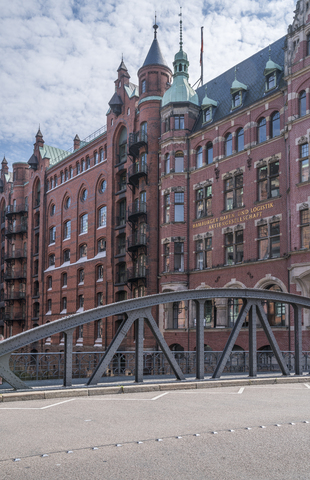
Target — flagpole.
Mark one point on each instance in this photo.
(201, 57)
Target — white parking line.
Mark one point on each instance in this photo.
(307, 385)
(158, 396)
(59, 403)
(36, 408)
(241, 390)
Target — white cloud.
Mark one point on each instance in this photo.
(58, 60)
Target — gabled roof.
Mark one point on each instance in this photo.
(54, 154)
(155, 57)
(132, 90)
(251, 73)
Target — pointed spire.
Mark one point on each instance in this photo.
(122, 65)
(39, 134)
(155, 26)
(4, 161)
(76, 137)
(181, 41)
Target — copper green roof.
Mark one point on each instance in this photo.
(54, 154)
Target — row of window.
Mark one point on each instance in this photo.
(64, 304)
(101, 248)
(81, 166)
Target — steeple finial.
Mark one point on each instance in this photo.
(180, 15)
(155, 26)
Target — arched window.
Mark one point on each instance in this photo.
(179, 162)
(37, 194)
(143, 132)
(199, 157)
(240, 140)
(275, 125)
(261, 130)
(302, 104)
(167, 163)
(228, 144)
(209, 153)
(122, 143)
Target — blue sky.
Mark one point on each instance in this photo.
(58, 59)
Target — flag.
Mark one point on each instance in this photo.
(201, 50)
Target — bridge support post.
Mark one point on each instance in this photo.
(298, 339)
(68, 357)
(200, 342)
(139, 350)
(252, 343)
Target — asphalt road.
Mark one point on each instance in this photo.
(196, 434)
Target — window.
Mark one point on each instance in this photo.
(199, 157)
(308, 44)
(102, 217)
(49, 283)
(179, 162)
(234, 308)
(101, 155)
(209, 153)
(64, 304)
(121, 244)
(49, 305)
(99, 299)
(67, 229)
(179, 207)
(81, 276)
(203, 201)
(302, 104)
(87, 163)
(234, 247)
(67, 203)
(305, 228)
(51, 261)
(103, 186)
(167, 125)
(179, 257)
(143, 86)
(121, 273)
(101, 245)
(234, 192)
(179, 122)
(61, 177)
(81, 306)
(52, 183)
(240, 140)
(275, 311)
(55, 181)
(64, 279)
(66, 174)
(304, 162)
(204, 253)
(261, 131)
(70, 172)
(143, 132)
(52, 235)
(167, 164)
(99, 328)
(275, 125)
(84, 223)
(66, 255)
(95, 158)
(84, 195)
(83, 250)
(271, 81)
(82, 165)
(269, 241)
(36, 309)
(268, 181)
(128, 111)
(208, 114)
(78, 168)
(228, 144)
(236, 100)
(166, 257)
(100, 272)
(167, 208)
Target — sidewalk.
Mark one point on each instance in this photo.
(120, 385)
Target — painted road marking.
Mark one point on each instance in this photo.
(59, 403)
(241, 390)
(158, 396)
(307, 385)
(36, 408)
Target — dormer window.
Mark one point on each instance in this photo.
(237, 91)
(237, 97)
(208, 114)
(271, 81)
(270, 73)
(208, 105)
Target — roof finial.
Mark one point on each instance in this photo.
(180, 15)
(155, 26)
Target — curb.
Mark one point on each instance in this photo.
(119, 389)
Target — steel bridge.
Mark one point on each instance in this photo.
(139, 310)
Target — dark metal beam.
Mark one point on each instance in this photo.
(271, 339)
(232, 339)
(252, 343)
(68, 357)
(298, 339)
(8, 375)
(200, 364)
(139, 350)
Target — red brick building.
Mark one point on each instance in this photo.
(183, 189)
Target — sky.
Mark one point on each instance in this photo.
(59, 58)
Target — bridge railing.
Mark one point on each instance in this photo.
(51, 366)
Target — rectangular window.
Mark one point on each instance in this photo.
(234, 192)
(204, 253)
(81, 303)
(179, 164)
(179, 207)
(304, 162)
(78, 168)
(67, 255)
(82, 165)
(61, 177)
(70, 172)
(268, 181)
(99, 299)
(67, 230)
(179, 122)
(102, 217)
(56, 181)
(234, 247)
(100, 272)
(83, 250)
(66, 175)
(143, 86)
(49, 305)
(269, 241)
(204, 202)
(101, 155)
(95, 158)
(84, 223)
(52, 235)
(64, 303)
(101, 245)
(305, 228)
(64, 279)
(167, 208)
(122, 244)
(87, 163)
(166, 257)
(179, 257)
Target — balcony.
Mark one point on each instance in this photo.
(136, 141)
(136, 210)
(14, 275)
(15, 295)
(136, 171)
(22, 228)
(13, 209)
(135, 274)
(17, 254)
(136, 241)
